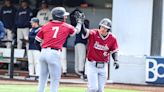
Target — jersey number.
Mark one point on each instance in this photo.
(56, 31)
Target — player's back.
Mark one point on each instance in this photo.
(55, 34)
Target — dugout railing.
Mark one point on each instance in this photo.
(10, 56)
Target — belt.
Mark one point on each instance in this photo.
(93, 61)
(53, 48)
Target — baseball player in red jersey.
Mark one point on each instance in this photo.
(101, 43)
(52, 37)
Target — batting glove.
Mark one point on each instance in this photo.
(79, 17)
(116, 65)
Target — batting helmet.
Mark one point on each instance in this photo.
(58, 13)
(106, 23)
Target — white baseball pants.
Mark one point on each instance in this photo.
(33, 60)
(9, 36)
(64, 60)
(97, 77)
(50, 63)
(80, 57)
(22, 33)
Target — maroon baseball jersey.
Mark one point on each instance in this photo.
(99, 48)
(54, 34)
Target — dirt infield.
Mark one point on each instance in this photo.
(138, 87)
(113, 86)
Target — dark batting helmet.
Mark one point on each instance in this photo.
(58, 13)
(106, 23)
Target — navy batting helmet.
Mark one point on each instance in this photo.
(106, 23)
(58, 13)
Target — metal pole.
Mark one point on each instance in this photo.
(156, 36)
(11, 72)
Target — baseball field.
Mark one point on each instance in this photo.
(33, 88)
(7, 85)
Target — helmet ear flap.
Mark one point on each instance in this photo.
(109, 30)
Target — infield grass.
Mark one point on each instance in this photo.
(33, 88)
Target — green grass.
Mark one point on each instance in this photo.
(33, 88)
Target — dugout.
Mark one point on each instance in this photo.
(138, 26)
(94, 13)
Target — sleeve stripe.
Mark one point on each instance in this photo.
(38, 39)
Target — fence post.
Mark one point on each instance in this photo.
(11, 71)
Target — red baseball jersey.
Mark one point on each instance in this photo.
(99, 48)
(54, 34)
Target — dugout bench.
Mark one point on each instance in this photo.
(11, 56)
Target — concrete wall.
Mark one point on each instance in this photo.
(132, 23)
(131, 71)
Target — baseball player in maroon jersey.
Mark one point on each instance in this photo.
(101, 43)
(52, 37)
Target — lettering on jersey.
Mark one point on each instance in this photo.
(45, 18)
(7, 12)
(105, 54)
(43, 14)
(23, 12)
(101, 47)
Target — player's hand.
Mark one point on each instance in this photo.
(116, 65)
(79, 17)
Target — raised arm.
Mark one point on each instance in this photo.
(80, 21)
(86, 32)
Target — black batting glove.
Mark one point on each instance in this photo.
(116, 65)
(79, 17)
